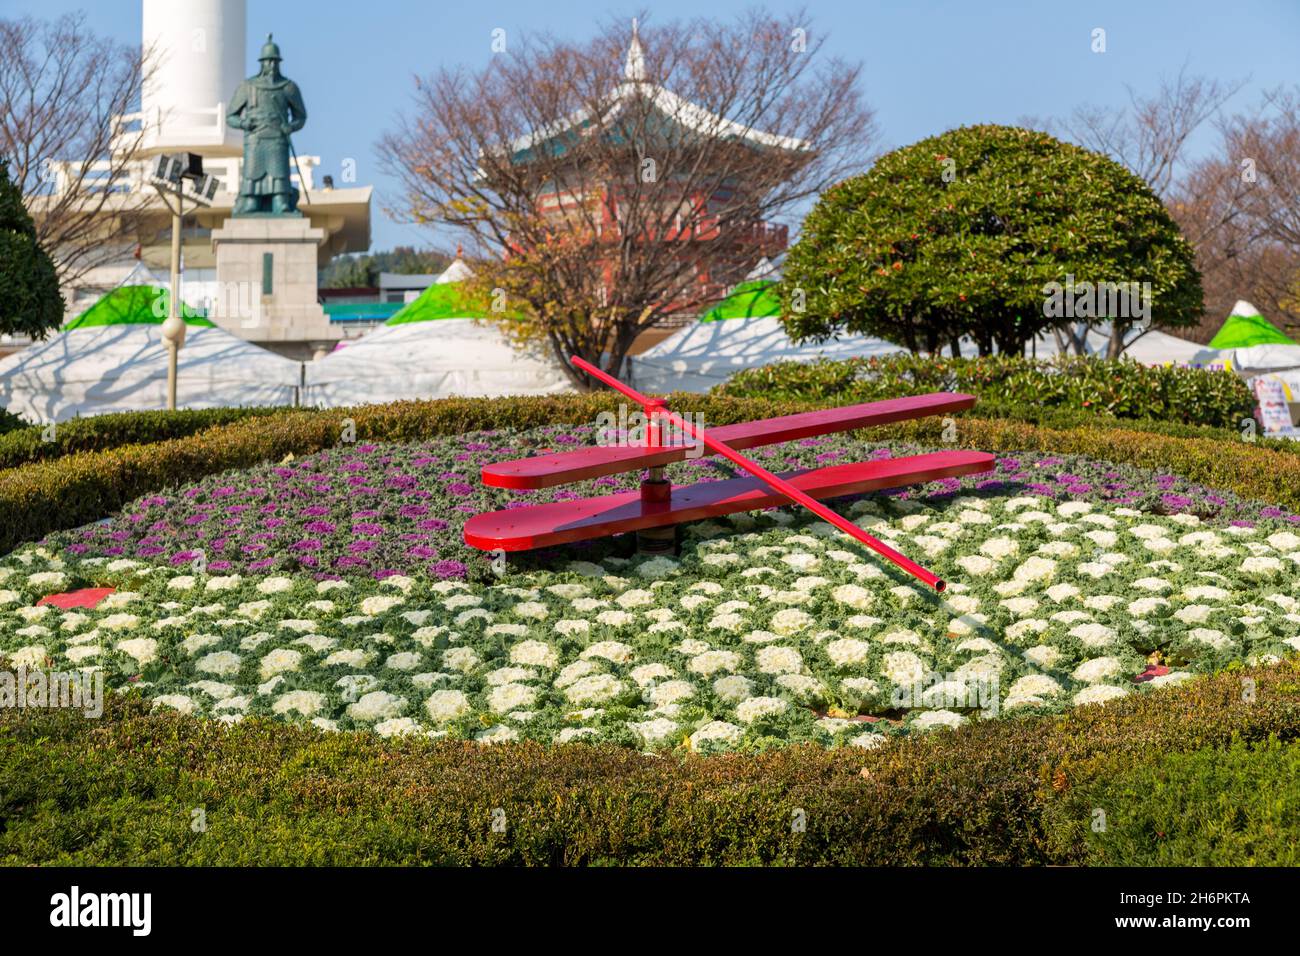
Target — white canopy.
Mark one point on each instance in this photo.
(1161, 348)
(1262, 358)
(765, 268)
(1149, 348)
(456, 272)
(123, 367)
(1269, 352)
(435, 359)
(1279, 362)
(706, 354)
(141, 274)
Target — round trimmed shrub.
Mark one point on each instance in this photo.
(959, 234)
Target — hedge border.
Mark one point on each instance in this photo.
(32, 443)
(28, 444)
(1008, 792)
(1124, 388)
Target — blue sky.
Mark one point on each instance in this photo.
(928, 66)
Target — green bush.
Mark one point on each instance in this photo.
(29, 443)
(1117, 389)
(122, 790)
(10, 422)
(794, 386)
(1238, 806)
(961, 233)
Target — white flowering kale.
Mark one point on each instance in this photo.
(769, 628)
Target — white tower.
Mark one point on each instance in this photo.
(198, 48)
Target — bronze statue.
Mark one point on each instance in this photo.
(268, 108)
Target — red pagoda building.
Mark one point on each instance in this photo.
(594, 165)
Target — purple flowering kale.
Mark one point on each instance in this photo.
(382, 509)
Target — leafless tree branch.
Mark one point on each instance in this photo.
(61, 92)
(610, 212)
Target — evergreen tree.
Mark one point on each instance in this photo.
(963, 234)
(30, 301)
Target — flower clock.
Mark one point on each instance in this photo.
(335, 590)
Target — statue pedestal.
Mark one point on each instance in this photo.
(266, 282)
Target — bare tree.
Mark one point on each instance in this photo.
(1150, 134)
(604, 191)
(1267, 148)
(62, 90)
(1241, 209)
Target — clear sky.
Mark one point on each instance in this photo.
(928, 66)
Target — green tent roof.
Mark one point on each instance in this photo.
(1246, 327)
(747, 300)
(446, 300)
(133, 305)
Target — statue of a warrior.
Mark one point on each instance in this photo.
(268, 108)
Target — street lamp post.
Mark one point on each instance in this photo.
(169, 179)
(173, 329)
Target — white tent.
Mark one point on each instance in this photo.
(1161, 348)
(456, 272)
(1149, 348)
(1268, 362)
(706, 354)
(1251, 345)
(141, 274)
(1255, 348)
(434, 359)
(123, 367)
(764, 269)
(1255, 359)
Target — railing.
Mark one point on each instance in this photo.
(98, 175)
(758, 233)
(199, 126)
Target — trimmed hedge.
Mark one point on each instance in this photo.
(103, 432)
(1211, 807)
(28, 443)
(1057, 417)
(1123, 389)
(123, 789)
(83, 487)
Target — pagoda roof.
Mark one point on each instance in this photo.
(636, 87)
